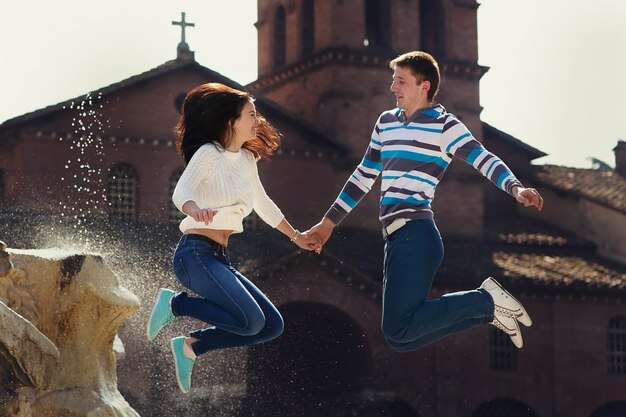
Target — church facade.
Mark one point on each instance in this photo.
(323, 80)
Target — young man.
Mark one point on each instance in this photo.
(412, 145)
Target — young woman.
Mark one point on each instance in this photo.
(220, 136)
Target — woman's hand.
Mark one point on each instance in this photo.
(307, 242)
(190, 208)
(528, 197)
(203, 215)
(304, 241)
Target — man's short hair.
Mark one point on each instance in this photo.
(423, 67)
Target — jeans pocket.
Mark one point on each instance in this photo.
(181, 273)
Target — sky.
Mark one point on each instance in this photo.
(556, 76)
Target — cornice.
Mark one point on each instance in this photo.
(325, 57)
(355, 57)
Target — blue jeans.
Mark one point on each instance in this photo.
(238, 313)
(412, 256)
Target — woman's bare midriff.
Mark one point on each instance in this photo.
(219, 236)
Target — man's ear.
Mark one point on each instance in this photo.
(425, 85)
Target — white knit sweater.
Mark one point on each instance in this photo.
(227, 182)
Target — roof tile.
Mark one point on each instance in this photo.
(604, 186)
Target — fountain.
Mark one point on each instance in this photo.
(62, 308)
(60, 313)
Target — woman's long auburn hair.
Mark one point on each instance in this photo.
(208, 116)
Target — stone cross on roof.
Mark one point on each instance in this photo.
(183, 50)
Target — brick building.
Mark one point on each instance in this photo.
(111, 155)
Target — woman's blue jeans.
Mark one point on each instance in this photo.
(237, 311)
(412, 256)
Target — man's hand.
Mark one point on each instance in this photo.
(528, 197)
(322, 232)
(307, 241)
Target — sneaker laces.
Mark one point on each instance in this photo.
(170, 317)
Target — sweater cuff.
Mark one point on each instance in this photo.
(515, 183)
(272, 221)
(179, 200)
(336, 214)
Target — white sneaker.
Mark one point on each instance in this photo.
(505, 305)
(509, 326)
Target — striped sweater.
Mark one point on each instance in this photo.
(413, 156)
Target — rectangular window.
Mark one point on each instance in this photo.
(502, 352)
(616, 346)
(122, 194)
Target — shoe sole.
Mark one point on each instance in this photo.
(524, 312)
(180, 385)
(156, 302)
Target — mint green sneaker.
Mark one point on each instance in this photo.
(183, 364)
(161, 314)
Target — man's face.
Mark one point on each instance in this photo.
(404, 86)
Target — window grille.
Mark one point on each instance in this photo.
(502, 352)
(616, 345)
(123, 192)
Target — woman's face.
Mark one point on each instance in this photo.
(245, 126)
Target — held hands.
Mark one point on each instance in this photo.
(306, 241)
(321, 233)
(528, 197)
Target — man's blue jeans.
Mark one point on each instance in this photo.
(240, 313)
(412, 256)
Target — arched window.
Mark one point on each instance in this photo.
(306, 378)
(377, 24)
(616, 345)
(178, 102)
(502, 352)
(175, 215)
(504, 408)
(432, 27)
(280, 37)
(123, 192)
(307, 25)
